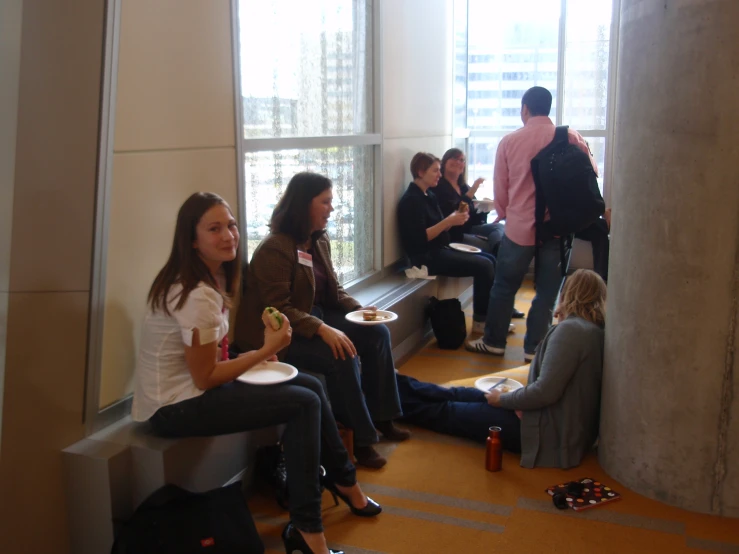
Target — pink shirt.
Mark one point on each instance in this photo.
(515, 193)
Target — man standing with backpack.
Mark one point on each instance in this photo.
(565, 188)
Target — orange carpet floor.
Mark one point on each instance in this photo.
(438, 498)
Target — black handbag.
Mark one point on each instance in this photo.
(175, 521)
(447, 322)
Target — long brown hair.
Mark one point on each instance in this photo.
(184, 265)
(584, 295)
(454, 153)
(292, 213)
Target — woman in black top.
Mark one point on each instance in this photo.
(451, 191)
(424, 234)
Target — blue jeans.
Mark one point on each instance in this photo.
(310, 436)
(481, 267)
(359, 394)
(458, 411)
(493, 233)
(513, 263)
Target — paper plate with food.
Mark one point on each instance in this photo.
(485, 205)
(502, 384)
(371, 316)
(270, 373)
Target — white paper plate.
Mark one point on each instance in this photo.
(485, 383)
(383, 316)
(269, 373)
(465, 248)
(484, 206)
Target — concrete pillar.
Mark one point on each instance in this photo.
(670, 413)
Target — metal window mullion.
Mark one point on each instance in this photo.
(377, 151)
(93, 377)
(307, 143)
(467, 81)
(561, 61)
(613, 44)
(239, 130)
(593, 133)
(475, 133)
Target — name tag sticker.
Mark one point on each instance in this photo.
(305, 259)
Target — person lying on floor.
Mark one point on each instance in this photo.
(457, 411)
(553, 420)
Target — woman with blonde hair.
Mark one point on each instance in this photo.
(560, 407)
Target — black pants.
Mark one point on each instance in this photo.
(461, 264)
(310, 437)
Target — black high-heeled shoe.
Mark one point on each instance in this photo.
(294, 541)
(370, 510)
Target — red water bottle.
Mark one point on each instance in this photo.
(494, 450)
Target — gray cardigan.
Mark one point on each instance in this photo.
(561, 403)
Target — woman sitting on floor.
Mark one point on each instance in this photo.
(558, 409)
(186, 385)
(560, 406)
(291, 270)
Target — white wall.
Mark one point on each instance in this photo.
(417, 46)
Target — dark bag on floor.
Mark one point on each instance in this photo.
(175, 521)
(447, 321)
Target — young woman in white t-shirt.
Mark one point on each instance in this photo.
(186, 386)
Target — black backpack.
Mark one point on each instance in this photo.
(175, 521)
(566, 185)
(447, 322)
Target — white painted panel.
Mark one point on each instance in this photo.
(417, 68)
(175, 75)
(397, 154)
(148, 189)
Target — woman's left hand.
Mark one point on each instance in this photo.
(493, 397)
(478, 182)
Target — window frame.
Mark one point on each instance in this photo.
(466, 134)
(94, 418)
(372, 138)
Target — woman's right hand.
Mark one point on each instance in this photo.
(276, 340)
(338, 341)
(457, 218)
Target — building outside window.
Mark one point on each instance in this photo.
(563, 45)
(306, 88)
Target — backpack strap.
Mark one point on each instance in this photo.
(561, 134)
(565, 253)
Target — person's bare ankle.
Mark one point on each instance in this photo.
(355, 494)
